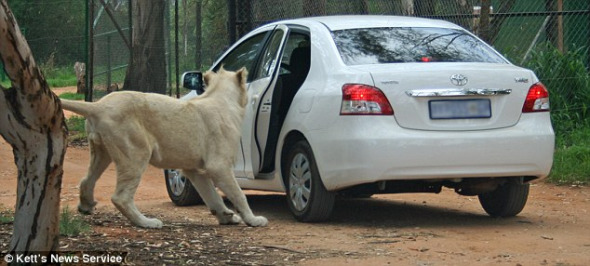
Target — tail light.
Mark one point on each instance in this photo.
(359, 99)
(537, 100)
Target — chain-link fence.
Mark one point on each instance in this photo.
(514, 27)
(109, 23)
(198, 31)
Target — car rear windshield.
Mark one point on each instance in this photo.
(402, 45)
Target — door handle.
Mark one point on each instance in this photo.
(254, 101)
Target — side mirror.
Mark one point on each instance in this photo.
(193, 80)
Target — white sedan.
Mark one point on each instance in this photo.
(360, 105)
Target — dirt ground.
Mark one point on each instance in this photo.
(395, 229)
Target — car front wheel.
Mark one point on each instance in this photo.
(507, 200)
(308, 199)
(180, 190)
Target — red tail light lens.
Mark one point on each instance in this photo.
(537, 100)
(359, 99)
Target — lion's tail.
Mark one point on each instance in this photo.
(83, 108)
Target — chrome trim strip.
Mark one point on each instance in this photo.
(454, 92)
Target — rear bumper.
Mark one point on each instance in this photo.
(359, 150)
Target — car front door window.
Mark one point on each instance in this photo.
(244, 55)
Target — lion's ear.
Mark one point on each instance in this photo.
(242, 75)
(208, 76)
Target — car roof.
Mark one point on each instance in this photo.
(371, 21)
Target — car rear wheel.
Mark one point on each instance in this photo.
(180, 190)
(307, 196)
(507, 200)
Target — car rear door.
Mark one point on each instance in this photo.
(255, 128)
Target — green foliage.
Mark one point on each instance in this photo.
(568, 82)
(214, 32)
(53, 27)
(71, 224)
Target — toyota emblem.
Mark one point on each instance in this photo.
(458, 80)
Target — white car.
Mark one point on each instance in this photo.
(359, 105)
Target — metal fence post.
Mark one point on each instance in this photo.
(108, 62)
(90, 50)
(176, 49)
(198, 32)
(232, 20)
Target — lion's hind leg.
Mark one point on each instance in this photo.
(99, 161)
(212, 199)
(128, 178)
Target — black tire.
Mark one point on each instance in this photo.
(507, 200)
(180, 190)
(307, 197)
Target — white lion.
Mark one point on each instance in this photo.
(199, 136)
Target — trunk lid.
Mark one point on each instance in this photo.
(453, 96)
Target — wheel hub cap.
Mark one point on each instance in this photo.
(300, 182)
(176, 182)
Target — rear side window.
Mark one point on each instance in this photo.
(401, 45)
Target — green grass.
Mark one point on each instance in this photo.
(71, 224)
(55, 77)
(62, 82)
(76, 127)
(6, 218)
(72, 96)
(58, 76)
(76, 123)
(53, 82)
(571, 161)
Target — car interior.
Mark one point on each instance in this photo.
(294, 70)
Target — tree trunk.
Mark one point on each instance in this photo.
(362, 7)
(424, 8)
(464, 8)
(407, 7)
(496, 23)
(32, 122)
(147, 69)
(484, 21)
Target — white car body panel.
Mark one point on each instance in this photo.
(385, 151)
(353, 150)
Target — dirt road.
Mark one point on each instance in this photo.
(406, 229)
(398, 229)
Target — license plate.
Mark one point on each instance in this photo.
(460, 109)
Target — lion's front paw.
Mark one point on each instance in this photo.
(257, 221)
(151, 223)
